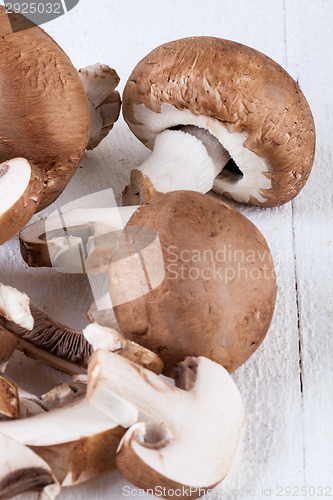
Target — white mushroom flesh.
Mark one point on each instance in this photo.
(22, 470)
(15, 306)
(14, 179)
(60, 425)
(191, 437)
(255, 175)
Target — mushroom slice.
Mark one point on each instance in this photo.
(9, 401)
(221, 115)
(77, 441)
(64, 240)
(99, 82)
(21, 185)
(59, 346)
(22, 470)
(179, 437)
(101, 337)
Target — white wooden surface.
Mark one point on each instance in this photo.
(289, 439)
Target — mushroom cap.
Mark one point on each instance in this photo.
(44, 104)
(233, 86)
(218, 294)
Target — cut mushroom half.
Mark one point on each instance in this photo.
(20, 187)
(79, 240)
(64, 348)
(182, 437)
(218, 115)
(22, 470)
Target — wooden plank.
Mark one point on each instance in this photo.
(310, 51)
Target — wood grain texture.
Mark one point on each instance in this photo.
(289, 436)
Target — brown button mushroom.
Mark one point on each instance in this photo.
(182, 438)
(45, 109)
(197, 102)
(218, 294)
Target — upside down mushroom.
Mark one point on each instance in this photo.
(218, 115)
(52, 114)
(183, 438)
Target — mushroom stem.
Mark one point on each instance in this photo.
(99, 82)
(184, 158)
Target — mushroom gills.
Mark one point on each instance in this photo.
(176, 437)
(191, 151)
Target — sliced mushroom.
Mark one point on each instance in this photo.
(77, 441)
(51, 342)
(21, 470)
(178, 437)
(20, 188)
(9, 401)
(207, 289)
(61, 347)
(64, 240)
(46, 109)
(15, 306)
(200, 101)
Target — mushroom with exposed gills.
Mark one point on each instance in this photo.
(218, 293)
(182, 438)
(22, 470)
(51, 120)
(64, 348)
(199, 102)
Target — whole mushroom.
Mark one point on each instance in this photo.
(218, 115)
(191, 276)
(51, 114)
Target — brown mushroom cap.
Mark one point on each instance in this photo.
(219, 291)
(44, 104)
(238, 87)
